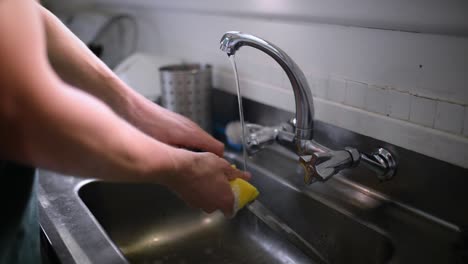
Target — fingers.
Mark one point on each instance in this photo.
(206, 142)
(227, 205)
(210, 144)
(246, 175)
(232, 172)
(218, 148)
(224, 200)
(205, 184)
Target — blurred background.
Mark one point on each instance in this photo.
(390, 74)
(393, 70)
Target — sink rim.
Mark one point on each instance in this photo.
(55, 191)
(387, 240)
(90, 189)
(77, 236)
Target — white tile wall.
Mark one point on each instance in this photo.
(424, 140)
(355, 94)
(319, 84)
(376, 100)
(276, 76)
(365, 58)
(422, 111)
(449, 117)
(465, 126)
(398, 104)
(336, 90)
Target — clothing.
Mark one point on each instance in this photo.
(19, 223)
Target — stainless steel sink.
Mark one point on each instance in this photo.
(149, 223)
(339, 221)
(338, 236)
(152, 225)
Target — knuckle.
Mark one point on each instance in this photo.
(209, 210)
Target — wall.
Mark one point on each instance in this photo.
(406, 88)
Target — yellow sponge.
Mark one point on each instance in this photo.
(244, 193)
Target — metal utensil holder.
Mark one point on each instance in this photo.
(186, 90)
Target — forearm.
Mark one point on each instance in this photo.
(68, 131)
(78, 66)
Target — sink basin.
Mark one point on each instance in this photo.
(149, 224)
(338, 235)
(152, 225)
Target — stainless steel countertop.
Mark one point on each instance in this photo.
(77, 237)
(74, 233)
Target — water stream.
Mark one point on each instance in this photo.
(241, 110)
(258, 209)
(242, 121)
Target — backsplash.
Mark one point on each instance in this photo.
(409, 89)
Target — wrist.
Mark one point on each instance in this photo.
(166, 165)
(129, 104)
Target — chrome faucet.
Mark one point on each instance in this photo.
(297, 134)
(232, 41)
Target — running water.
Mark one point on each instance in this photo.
(241, 109)
(242, 121)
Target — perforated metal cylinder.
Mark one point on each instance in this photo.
(186, 90)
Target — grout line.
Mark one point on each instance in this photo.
(432, 126)
(435, 114)
(382, 87)
(464, 128)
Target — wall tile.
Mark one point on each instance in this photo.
(376, 100)
(248, 70)
(274, 75)
(336, 90)
(319, 85)
(355, 94)
(422, 111)
(340, 51)
(465, 129)
(449, 117)
(261, 73)
(398, 104)
(424, 140)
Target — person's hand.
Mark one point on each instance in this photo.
(171, 128)
(201, 180)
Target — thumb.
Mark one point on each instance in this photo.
(233, 173)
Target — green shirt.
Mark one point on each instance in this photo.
(19, 226)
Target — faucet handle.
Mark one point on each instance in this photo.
(320, 166)
(382, 162)
(258, 137)
(310, 172)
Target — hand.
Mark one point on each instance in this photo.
(201, 180)
(171, 128)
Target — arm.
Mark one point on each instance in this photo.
(77, 65)
(49, 124)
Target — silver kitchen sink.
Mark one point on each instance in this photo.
(89, 221)
(149, 224)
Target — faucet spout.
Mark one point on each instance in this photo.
(233, 40)
(297, 134)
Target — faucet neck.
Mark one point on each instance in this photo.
(233, 40)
